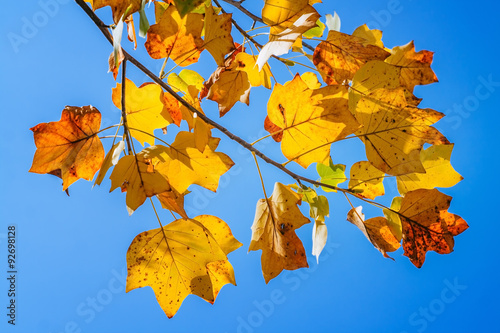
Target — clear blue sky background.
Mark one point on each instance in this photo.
(71, 250)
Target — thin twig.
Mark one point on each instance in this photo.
(124, 113)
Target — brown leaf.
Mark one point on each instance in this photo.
(427, 225)
(273, 232)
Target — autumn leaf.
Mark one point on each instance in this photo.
(136, 175)
(183, 164)
(319, 209)
(438, 171)
(427, 224)
(371, 36)
(247, 63)
(273, 232)
(395, 132)
(230, 87)
(118, 7)
(175, 37)
(187, 6)
(218, 40)
(144, 108)
(366, 180)
(414, 67)
(281, 43)
(69, 148)
(341, 56)
(281, 14)
(311, 119)
(173, 201)
(182, 258)
(331, 174)
(376, 230)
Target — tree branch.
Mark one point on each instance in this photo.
(206, 119)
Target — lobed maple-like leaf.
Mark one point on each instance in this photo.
(183, 164)
(144, 108)
(311, 119)
(281, 14)
(69, 148)
(331, 174)
(218, 40)
(187, 256)
(414, 67)
(342, 55)
(394, 132)
(273, 232)
(229, 87)
(173, 201)
(427, 225)
(176, 37)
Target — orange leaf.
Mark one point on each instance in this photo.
(118, 7)
(427, 225)
(69, 148)
(175, 37)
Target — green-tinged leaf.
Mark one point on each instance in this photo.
(331, 174)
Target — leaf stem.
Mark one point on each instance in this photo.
(124, 113)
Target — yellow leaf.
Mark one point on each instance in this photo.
(376, 230)
(144, 108)
(368, 179)
(281, 14)
(311, 119)
(273, 232)
(69, 148)
(414, 67)
(438, 171)
(246, 62)
(218, 40)
(394, 132)
(183, 164)
(182, 258)
(137, 176)
(341, 56)
(393, 219)
(175, 37)
(230, 87)
(311, 80)
(372, 36)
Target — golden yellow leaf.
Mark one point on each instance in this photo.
(230, 87)
(144, 108)
(438, 171)
(218, 40)
(179, 259)
(311, 119)
(376, 230)
(414, 67)
(69, 148)
(183, 164)
(427, 224)
(175, 37)
(137, 176)
(281, 14)
(246, 62)
(394, 132)
(372, 36)
(341, 56)
(273, 232)
(368, 179)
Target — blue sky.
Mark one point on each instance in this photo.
(71, 250)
